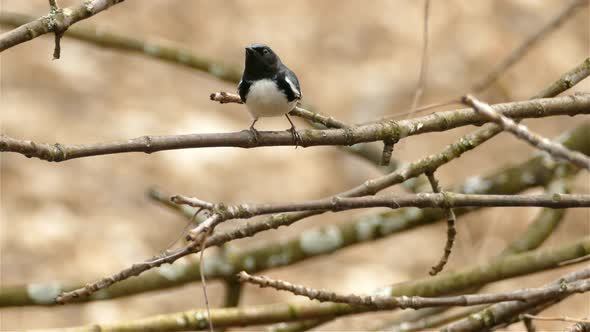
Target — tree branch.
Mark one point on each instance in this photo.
(494, 270)
(424, 59)
(560, 319)
(444, 200)
(57, 21)
(55, 10)
(536, 233)
(569, 105)
(451, 231)
(504, 312)
(428, 164)
(371, 187)
(509, 180)
(553, 148)
(383, 302)
(167, 51)
(223, 97)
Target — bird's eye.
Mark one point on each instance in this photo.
(265, 51)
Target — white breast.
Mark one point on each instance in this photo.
(265, 100)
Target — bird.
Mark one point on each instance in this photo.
(268, 87)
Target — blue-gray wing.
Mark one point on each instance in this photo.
(289, 84)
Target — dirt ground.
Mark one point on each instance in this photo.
(356, 60)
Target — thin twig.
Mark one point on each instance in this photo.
(451, 231)
(388, 144)
(530, 42)
(134, 270)
(576, 261)
(555, 149)
(559, 319)
(528, 324)
(164, 199)
(424, 62)
(223, 97)
(418, 302)
(58, 22)
(58, 29)
(203, 280)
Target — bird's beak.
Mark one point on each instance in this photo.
(250, 50)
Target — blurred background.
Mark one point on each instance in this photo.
(356, 60)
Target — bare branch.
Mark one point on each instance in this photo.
(530, 42)
(57, 28)
(203, 279)
(451, 231)
(568, 105)
(223, 97)
(430, 319)
(432, 286)
(58, 22)
(560, 319)
(536, 233)
(576, 261)
(389, 144)
(444, 200)
(167, 52)
(357, 231)
(428, 164)
(424, 61)
(134, 270)
(327, 121)
(553, 148)
(528, 324)
(566, 81)
(418, 302)
(504, 312)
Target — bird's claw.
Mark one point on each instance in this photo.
(255, 134)
(296, 137)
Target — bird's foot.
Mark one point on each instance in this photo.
(296, 137)
(255, 134)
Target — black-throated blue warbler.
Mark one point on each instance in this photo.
(268, 87)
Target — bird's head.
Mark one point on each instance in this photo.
(261, 59)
